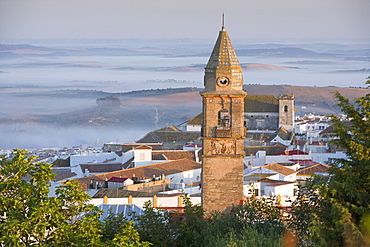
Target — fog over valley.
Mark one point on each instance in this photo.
(49, 92)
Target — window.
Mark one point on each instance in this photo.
(286, 108)
(142, 156)
(223, 119)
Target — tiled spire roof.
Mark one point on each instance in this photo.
(223, 54)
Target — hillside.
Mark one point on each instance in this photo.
(172, 106)
(156, 108)
(309, 99)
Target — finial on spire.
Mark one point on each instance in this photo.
(223, 21)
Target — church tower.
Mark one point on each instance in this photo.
(223, 129)
(286, 111)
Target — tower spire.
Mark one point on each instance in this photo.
(223, 60)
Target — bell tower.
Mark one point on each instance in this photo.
(223, 130)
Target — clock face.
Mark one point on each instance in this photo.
(223, 81)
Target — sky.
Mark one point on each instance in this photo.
(156, 19)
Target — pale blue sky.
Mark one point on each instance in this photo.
(245, 19)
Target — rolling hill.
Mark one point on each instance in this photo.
(157, 108)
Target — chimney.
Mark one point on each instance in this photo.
(87, 172)
(196, 152)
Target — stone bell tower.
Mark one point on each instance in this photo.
(223, 130)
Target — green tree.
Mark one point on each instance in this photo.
(29, 217)
(154, 226)
(127, 237)
(337, 208)
(347, 195)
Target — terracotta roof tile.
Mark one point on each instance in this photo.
(158, 157)
(313, 169)
(113, 193)
(144, 147)
(279, 169)
(146, 172)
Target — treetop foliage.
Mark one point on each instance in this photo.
(29, 217)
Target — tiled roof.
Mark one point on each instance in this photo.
(62, 171)
(129, 146)
(284, 134)
(313, 169)
(128, 163)
(170, 128)
(158, 156)
(101, 167)
(175, 154)
(266, 136)
(65, 176)
(109, 160)
(279, 169)
(252, 103)
(261, 103)
(119, 193)
(197, 120)
(164, 136)
(62, 163)
(223, 54)
(259, 175)
(305, 162)
(166, 168)
(145, 147)
(270, 150)
(279, 183)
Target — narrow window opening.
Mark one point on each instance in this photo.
(224, 119)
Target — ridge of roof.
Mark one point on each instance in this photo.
(170, 128)
(144, 147)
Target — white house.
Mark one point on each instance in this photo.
(282, 188)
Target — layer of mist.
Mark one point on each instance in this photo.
(42, 88)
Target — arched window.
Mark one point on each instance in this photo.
(286, 108)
